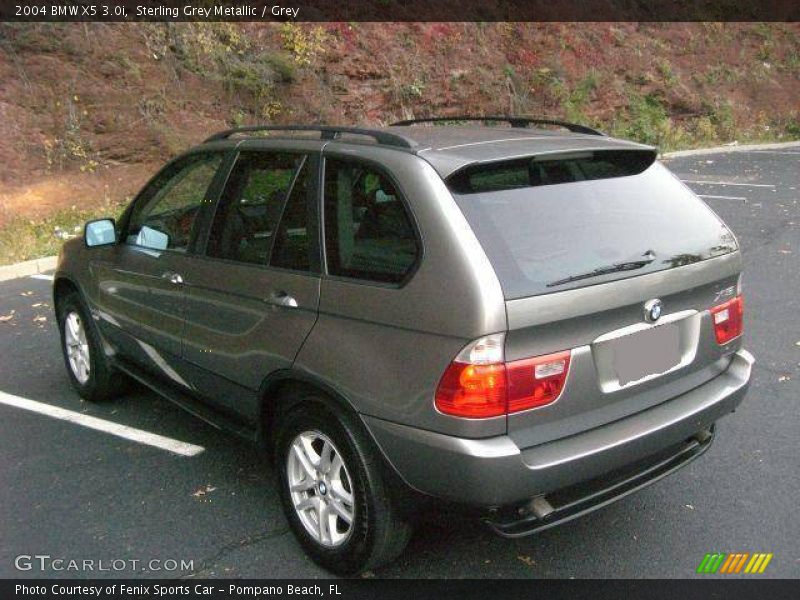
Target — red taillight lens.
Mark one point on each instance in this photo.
(728, 320)
(478, 384)
(475, 391)
(534, 382)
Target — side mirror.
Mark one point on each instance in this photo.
(152, 238)
(101, 232)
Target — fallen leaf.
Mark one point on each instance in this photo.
(784, 251)
(367, 575)
(206, 489)
(689, 506)
(39, 319)
(527, 560)
(7, 317)
(783, 378)
(26, 293)
(37, 305)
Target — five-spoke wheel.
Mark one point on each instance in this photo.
(77, 347)
(321, 488)
(335, 488)
(88, 367)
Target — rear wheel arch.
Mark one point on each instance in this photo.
(283, 390)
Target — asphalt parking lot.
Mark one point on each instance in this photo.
(72, 492)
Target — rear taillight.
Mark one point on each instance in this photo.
(534, 382)
(728, 321)
(474, 391)
(474, 384)
(480, 384)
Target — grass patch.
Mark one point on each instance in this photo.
(25, 239)
(667, 74)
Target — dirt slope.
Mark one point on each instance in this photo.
(87, 111)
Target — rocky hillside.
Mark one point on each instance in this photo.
(87, 111)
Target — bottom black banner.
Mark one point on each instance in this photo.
(385, 589)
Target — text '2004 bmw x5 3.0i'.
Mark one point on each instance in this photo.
(531, 321)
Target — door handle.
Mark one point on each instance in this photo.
(172, 277)
(282, 299)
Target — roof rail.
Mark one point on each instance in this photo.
(520, 122)
(327, 132)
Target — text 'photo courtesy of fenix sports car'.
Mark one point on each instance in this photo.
(523, 316)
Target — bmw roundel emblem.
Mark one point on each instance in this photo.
(652, 310)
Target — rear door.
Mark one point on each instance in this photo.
(253, 296)
(584, 245)
(140, 283)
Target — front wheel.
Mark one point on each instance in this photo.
(87, 365)
(334, 492)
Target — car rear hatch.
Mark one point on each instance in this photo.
(589, 246)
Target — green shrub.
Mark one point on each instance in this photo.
(646, 119)
(306, 45)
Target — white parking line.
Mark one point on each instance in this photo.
(41, 276)
(761, 185)
(123, 431)
(723, 197)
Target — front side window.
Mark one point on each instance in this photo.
(166, 211)
(251, 204)
(368, 231)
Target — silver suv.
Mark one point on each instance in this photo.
(531, 321)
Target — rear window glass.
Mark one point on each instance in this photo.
(549, 226)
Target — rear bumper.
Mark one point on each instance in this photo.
(495, 472)
(574, 501)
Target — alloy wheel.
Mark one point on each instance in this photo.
(321, 488)
(77, 347)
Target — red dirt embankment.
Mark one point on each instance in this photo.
(88, 111)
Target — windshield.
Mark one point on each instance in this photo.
(546, 235)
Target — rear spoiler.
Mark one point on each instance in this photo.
(622, 161)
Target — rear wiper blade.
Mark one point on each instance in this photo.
(630, 265)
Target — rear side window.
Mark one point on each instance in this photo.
(553, 225)
(368, 231)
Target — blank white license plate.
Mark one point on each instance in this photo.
(649, 352)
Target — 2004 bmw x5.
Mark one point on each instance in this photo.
(532, 321)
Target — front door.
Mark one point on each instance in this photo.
(252, 299)
(141, 292)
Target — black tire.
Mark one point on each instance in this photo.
(103, 381)
(378, 533)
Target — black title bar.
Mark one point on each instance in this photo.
(399, 10)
